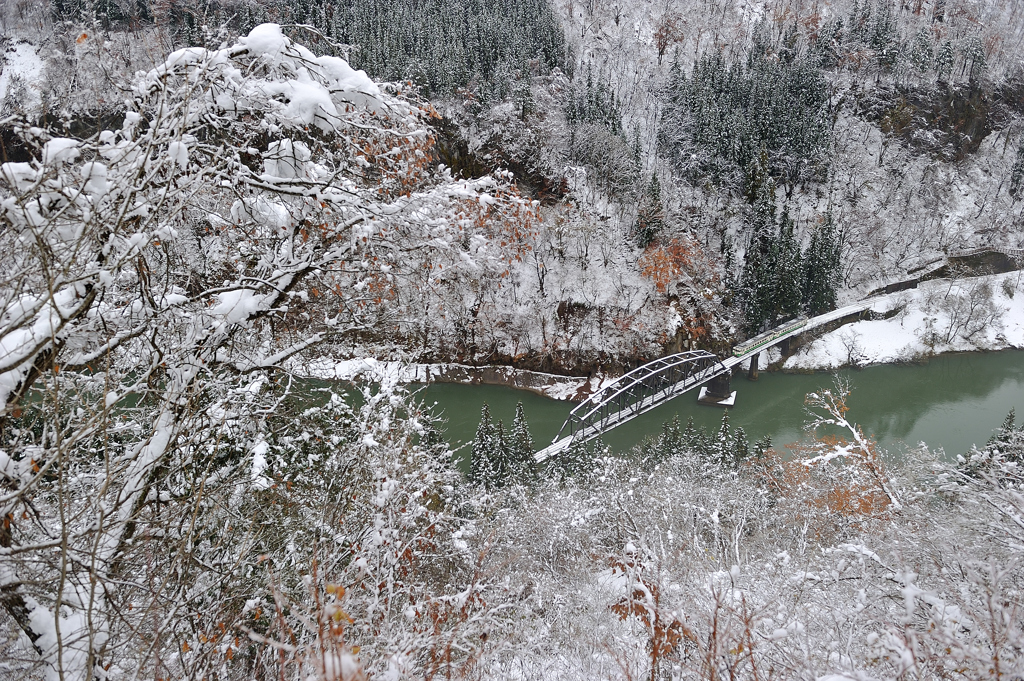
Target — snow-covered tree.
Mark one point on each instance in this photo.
(821, 268)
(522, 465)
(759, 281)
(485, 445)
(257, 201)
(790, 270)
(650, 218)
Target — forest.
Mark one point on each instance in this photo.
(202, 199)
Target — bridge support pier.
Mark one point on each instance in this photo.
(752, 371)
(718, 392)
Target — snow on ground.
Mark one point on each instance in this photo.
(552, 386)
(365, 367)
(982, 313)
(21, 64)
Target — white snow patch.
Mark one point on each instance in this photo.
(60, 149)
(259, 464)
(23, 63)
(932, 321)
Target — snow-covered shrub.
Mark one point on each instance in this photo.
(687, 571)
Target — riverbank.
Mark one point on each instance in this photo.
(941, 316)
(552, 386)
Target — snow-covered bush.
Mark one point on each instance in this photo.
(691, 571)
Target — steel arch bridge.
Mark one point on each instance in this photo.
(657, 382)
(634, 393)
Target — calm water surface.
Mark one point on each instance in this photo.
(951, 402)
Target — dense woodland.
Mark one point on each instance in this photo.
(198, 199)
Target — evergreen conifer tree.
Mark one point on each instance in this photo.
(729, 262)
(922, 54)
(481, 462)
(650, 218)
(670, 442)
(759, 283)
(576, 460)
(769, 115)
(821, 269)
(789, 270)
(740, 446)
(974, 57)
(723, 444)
(520, 448)
(1017, 171)
(690, 438)
(1007, 430)
(501, 461)
(944, 61)
(761, 446)
(636, 150)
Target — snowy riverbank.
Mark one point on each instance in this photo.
(553, 386)
(981, 313)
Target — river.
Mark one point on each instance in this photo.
(950, 402)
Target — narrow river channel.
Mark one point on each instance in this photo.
(950, 402)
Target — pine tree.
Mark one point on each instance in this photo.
(501, 462)
(974, 57)
(650, 217)
(1006, 446)
(1017, 171)
(719, 122)
(758, 287)
(885, 39)
(443, 45)
(922, 54)
(520, 448)
(723, 445)
(740, 446)
(729, 262)
(690, 438)
(593, 101)
(574, 461)
(1007, 430)
(481, 463)
(944, 60)
(789, 269)
(636, 150)
(821, 269)
(761, 446)
(670, 442)
(696, 442)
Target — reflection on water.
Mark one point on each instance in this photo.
(951, 402)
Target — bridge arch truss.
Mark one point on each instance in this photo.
(638, 391)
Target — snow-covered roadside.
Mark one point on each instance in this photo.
(981, 313)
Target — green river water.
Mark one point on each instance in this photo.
(951, 402)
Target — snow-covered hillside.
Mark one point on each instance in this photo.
(203, 203)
